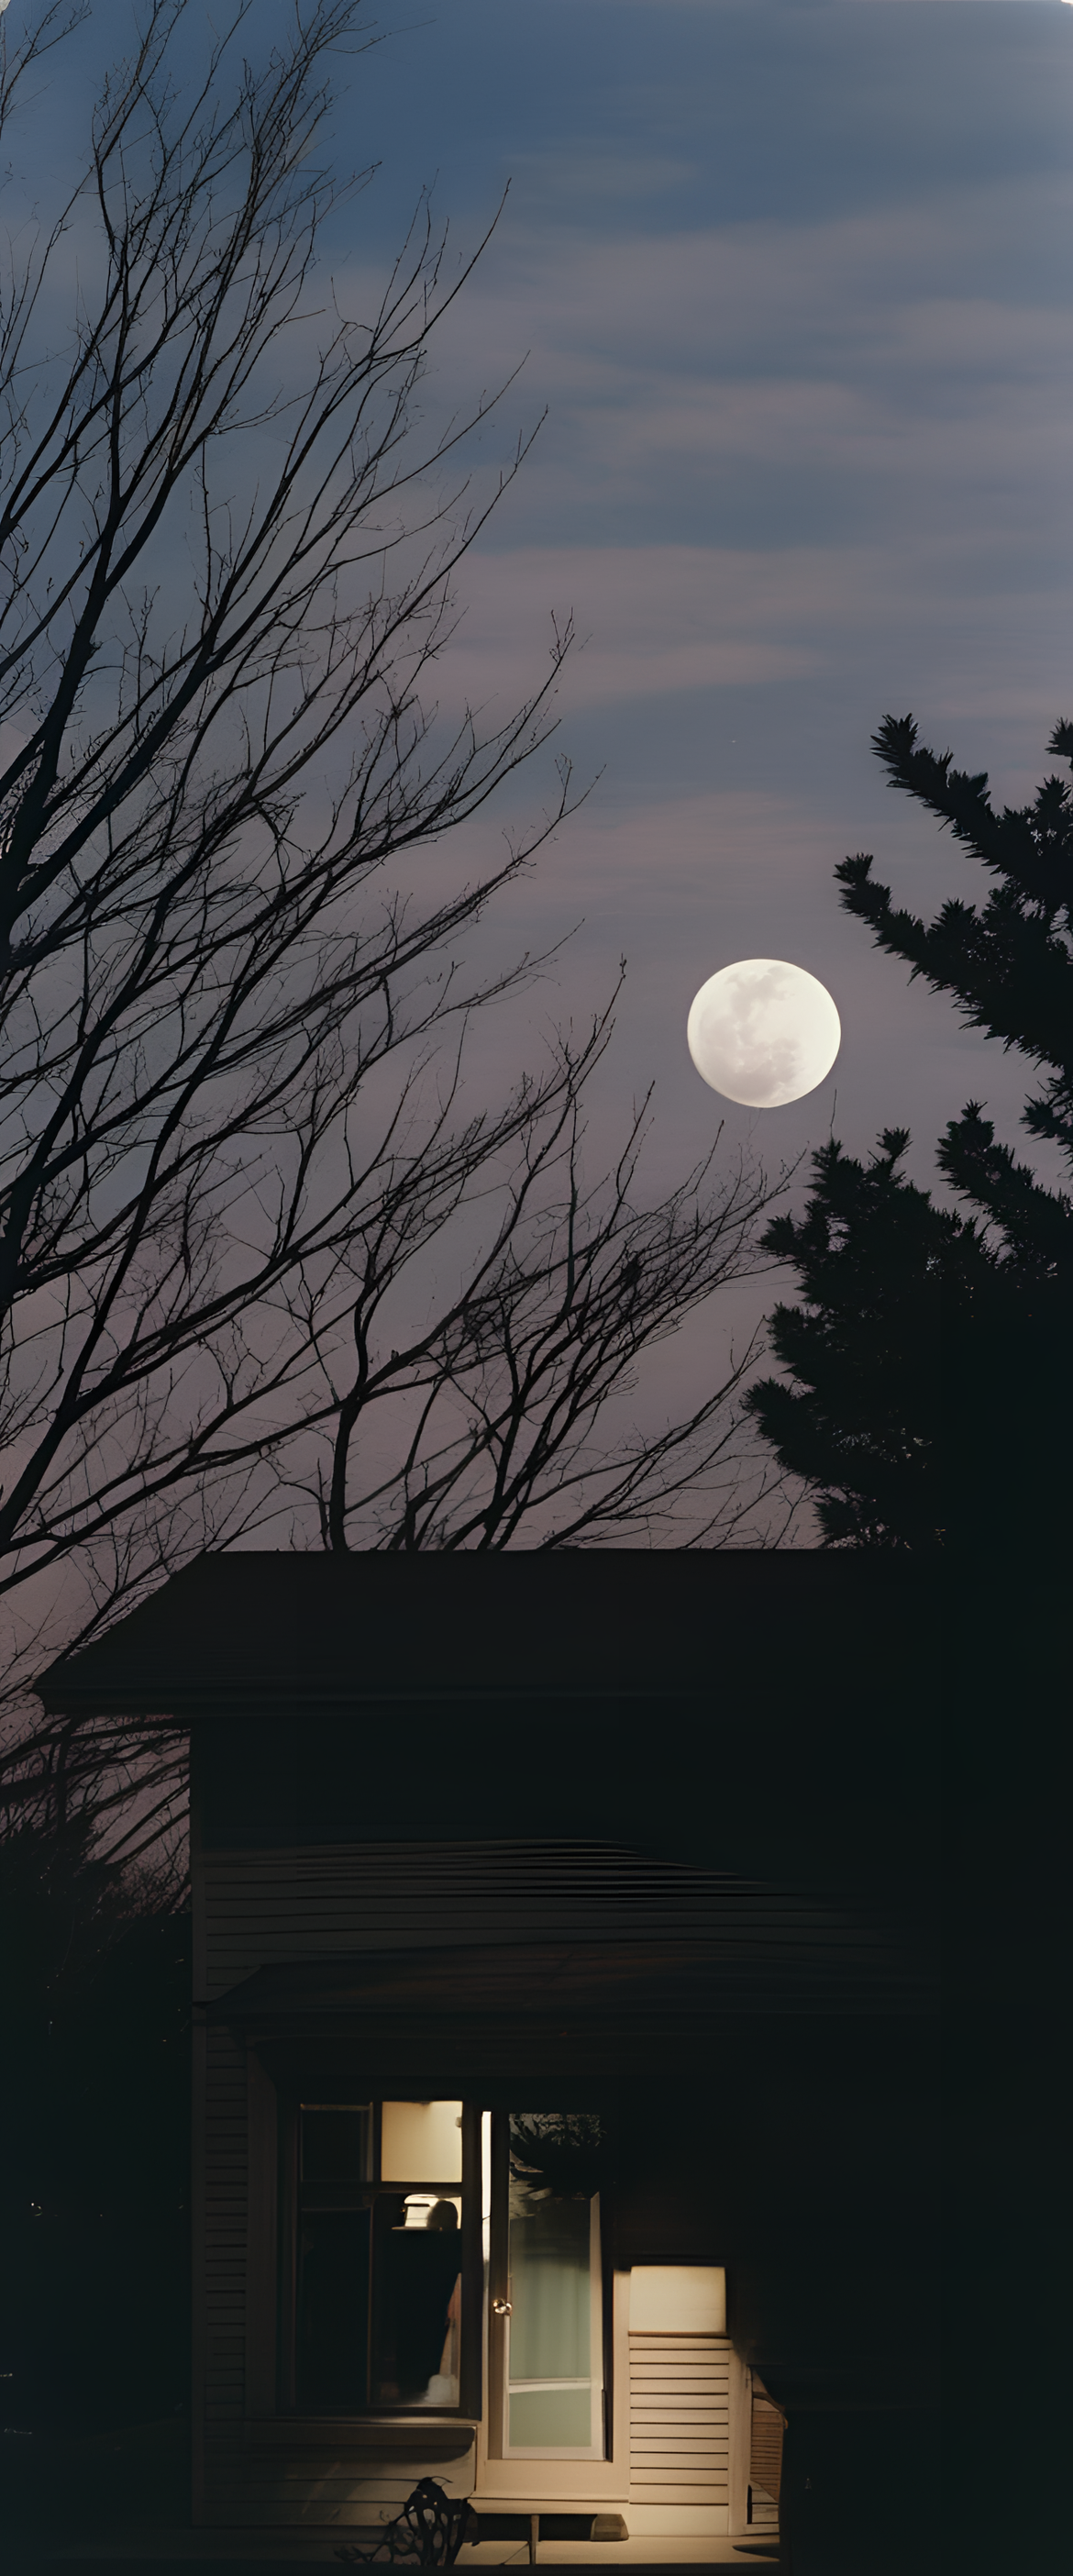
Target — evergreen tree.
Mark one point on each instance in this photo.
(931, 1400)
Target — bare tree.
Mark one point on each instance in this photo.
(230, 1090)
(220, 599)
(504, 1417)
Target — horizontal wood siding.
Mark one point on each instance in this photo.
(321, 1900)
(225, 2228)
(679, 2419)
(267, 2483)
(225, 2272)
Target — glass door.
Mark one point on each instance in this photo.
(546, 2286)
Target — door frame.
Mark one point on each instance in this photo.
(544, 2482)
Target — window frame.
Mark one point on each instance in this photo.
(468, 2408)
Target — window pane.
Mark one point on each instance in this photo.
(418, 2304)
(333, 2308)
(421, 2142)
(336, 2142)
(551, 2418)
(553, 2335)
(551, 2325)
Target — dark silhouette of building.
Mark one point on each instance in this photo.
(565, 2032)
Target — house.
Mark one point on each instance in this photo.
(564, 2027)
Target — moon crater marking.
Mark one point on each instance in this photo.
(763, 1032)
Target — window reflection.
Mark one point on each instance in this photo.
(378, 2271)
(419, 2306)
(554, 2331)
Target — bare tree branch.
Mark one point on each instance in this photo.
(198, 624)
(234, 1122)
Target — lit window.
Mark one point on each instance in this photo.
(378, 2255)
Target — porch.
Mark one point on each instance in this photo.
(302, 2553)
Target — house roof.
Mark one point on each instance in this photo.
(260, 1630)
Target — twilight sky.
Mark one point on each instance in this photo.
(793, 284)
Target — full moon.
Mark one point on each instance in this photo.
(763, 1032)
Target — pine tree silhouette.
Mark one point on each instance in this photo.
(931, 1403)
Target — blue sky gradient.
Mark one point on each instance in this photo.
(792, 283)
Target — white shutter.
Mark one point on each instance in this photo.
(679, 2419)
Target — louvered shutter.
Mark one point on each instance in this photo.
(765, 2455)
(679, 2419)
